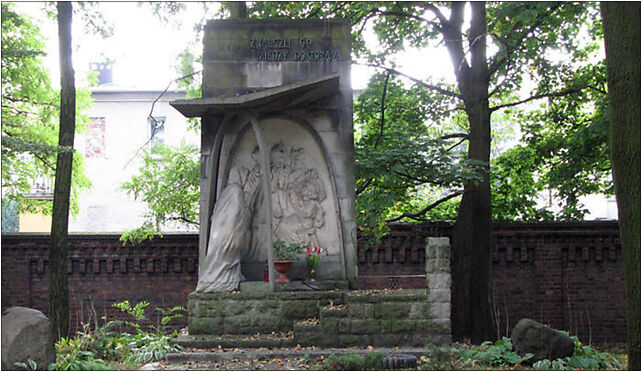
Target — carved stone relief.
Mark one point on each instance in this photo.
(303, 205)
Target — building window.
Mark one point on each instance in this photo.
(156, 129)
(95, 139)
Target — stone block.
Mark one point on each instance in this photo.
(365, 326)
(386, 340)
(403, 326)
(264, 306)
(312, 309)
(295, 309)
(307, 338)
(239, 324)
(420, 310)
(329, 326)
(386, 326)
(361, 310)
(254, 287)
(25, 335)
(440, 311)
(347, 340)
(422, 326)
(439, 326)
(231, 307)
(306, 327)
(333, 313)
(393, 310)
(205, 326)
(343, 326)
(439, 295)
(438, 281)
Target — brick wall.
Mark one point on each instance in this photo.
(101, 272)
(568, 275)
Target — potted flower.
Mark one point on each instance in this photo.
(284, 253)
(313, 258)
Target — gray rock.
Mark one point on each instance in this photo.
(543, 342)
(25, 335)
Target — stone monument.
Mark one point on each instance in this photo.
(277, 152)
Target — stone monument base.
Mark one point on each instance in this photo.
(338, 317)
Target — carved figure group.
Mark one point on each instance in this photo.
(239, 224)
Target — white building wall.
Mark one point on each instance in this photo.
(105, 207)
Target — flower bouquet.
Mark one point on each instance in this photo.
(313, 258)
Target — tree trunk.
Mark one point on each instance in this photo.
(58, 290)
(472, 299)
(238, 9)
(621, 22)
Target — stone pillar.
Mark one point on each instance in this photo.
(438, 281)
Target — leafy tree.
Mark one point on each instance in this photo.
(30, 108)
(168, 182)
(401, 162)
(622, 42)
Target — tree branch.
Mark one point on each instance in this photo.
(408, 15)
(423, 84)
(184, 219)
(539, 96)
(415, 216)
(383, 110)
(454, 135)
(497, 63)
(457, 144)
(430, 7)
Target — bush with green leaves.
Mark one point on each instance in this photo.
(94, 349)
(30, 365)
(76, 354)
(498, 354)
(584, 357)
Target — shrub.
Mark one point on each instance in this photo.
(498, 354)
(89, 350)
(584, 357)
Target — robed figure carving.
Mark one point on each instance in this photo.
(238, 222)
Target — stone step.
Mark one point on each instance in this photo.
(312, 353)
(236, 341)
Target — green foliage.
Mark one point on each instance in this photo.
(584, 357)
(93, 349)
(354, 362)
(404, 161)
(168, 315)
(30, 110)
(168, 182)
(498, 354)
(31, 365)
(137, 311)
(75, 354)
(440, 358)
(145, 232)
(314, 257)
(285, 251)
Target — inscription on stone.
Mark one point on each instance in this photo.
(280, 49)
